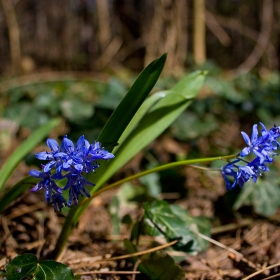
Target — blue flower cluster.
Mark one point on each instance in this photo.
(70, 163)
(262, 146)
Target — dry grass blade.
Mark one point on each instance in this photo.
(218, 244)
(138, 253)
(260, 271)
(106, 272)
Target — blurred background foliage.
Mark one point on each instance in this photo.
(77, 58)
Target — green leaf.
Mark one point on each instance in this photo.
(112, 95)
(27, 265)
(264, 196)
(194, 127)
(21, 267)
(134, 98)
(76, 110)
(51, 270)
(111, 132)
(157, 265)
(174, 222)
(146, 106)
(26, 147)
(165, 110)
(161, 266)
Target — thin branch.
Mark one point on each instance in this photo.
(257, 53)
(250, 33)
(261, 271)
(218, 244)
(217, 29)
(106, 272)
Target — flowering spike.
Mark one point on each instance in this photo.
(263, 147)
(69, 162)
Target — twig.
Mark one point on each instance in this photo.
(26, 209)
(271, 277)
(96, 260)
(138, 253)
(217, 29)
(263, 38)
(250, 33)
(261, 271)
(218, 244)
(232, 226)
(138, 262)
(106, 272)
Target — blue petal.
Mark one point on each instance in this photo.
(44, 156)
(107, 155)
(80, 143)
(49, 166)
(255, 133)
(58, 202)
(37, 187)
(246, 151)
(48, 192)
(52, 144)
(264, 130)
(78, 167)
(246, 138)
(36, 173)
(67, 145)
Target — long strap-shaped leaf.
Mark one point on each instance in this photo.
(26, 147)
(113, 130)
(161, 116)
(134, 98)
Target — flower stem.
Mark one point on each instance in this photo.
(157, 169)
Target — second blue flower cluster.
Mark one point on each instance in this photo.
(262, 146)
(70, 163)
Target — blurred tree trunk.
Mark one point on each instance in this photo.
(167, 32)
(199, 45)
(14, 35)
(104, 24)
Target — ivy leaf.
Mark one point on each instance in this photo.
(174, 222)
(27, 265)
(21, 267)
(264, 196)
(161, 266)
(52, 270)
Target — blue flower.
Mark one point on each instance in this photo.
(263, 147)
(240, 174)
(69, 162)
(253, 143)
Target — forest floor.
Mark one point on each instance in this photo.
(241, 245)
